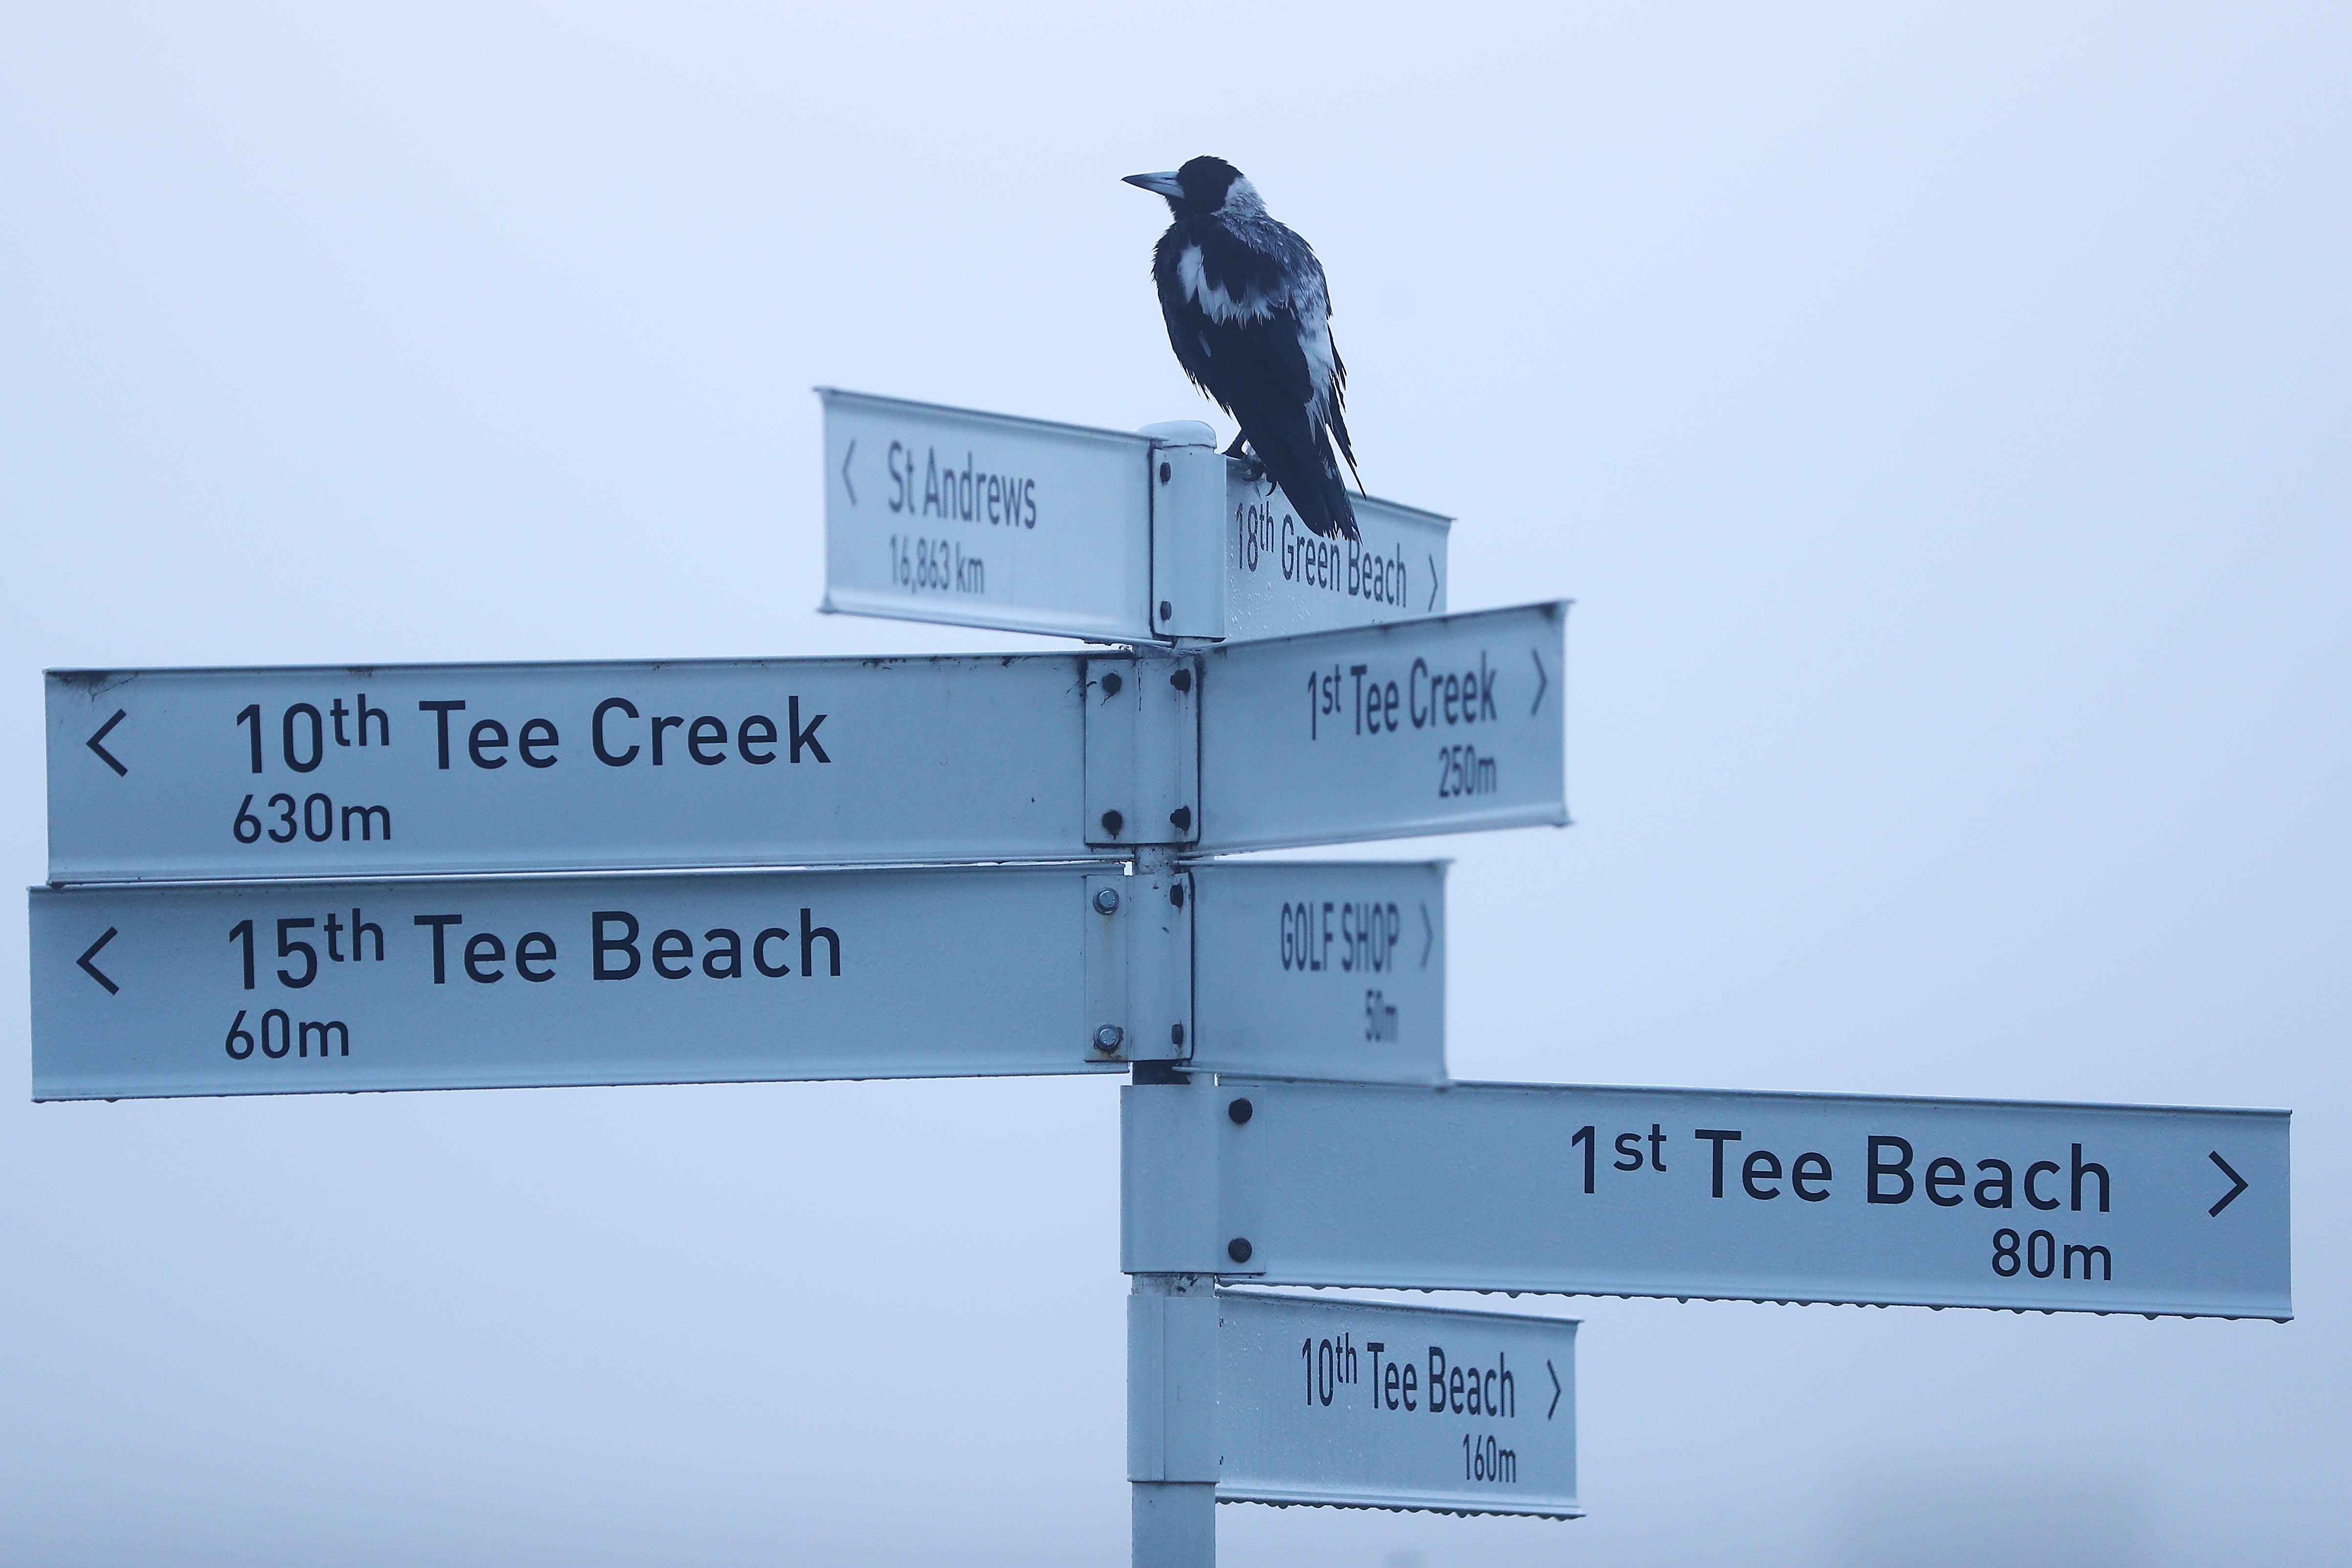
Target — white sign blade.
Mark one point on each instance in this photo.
(1836, 1198)
(977, 520)
(1282, 581)
(1447, 725)
(454, 769)
(310, 987)
(1354, 1404)
(1321, 970)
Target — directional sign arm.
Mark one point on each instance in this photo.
(457, 769)
(1304, 969)
(1772, 1198)
(1362, 1436)
(1441, 725)
(524, 982)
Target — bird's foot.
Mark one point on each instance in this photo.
(1253, 471)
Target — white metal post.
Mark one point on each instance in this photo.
(1168, 1181)
(1171, 1411)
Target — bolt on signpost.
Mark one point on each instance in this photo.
(329, 879)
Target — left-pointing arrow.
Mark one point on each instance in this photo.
(104, 755)
(93, 969)
(845, 473)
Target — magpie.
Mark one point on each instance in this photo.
(1249, 317)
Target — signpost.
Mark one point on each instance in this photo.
(1774, 1197)
(1354, 1404)
(980, 520)
(338, 879)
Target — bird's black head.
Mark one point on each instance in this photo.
(1197, 189)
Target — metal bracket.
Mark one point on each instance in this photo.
(1139, 967)
(1143, 749)
(1169, 1180)
(1188, 537)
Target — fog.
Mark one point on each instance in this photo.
(1938, 415)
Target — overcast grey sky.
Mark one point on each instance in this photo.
(1940, 414)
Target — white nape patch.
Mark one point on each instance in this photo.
(1242, 200)
(1215, 302)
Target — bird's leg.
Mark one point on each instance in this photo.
(1252, 470)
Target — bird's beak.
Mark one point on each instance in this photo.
(1164, 184)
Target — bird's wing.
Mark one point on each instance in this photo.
(1210, 282)
(1188, 335)
(1231, 281)
(1264, 376)
(1227, 300)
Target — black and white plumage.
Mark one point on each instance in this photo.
(1249, 316)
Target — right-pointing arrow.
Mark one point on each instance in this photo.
(1428, 936)
(1543, 683)
(1555, 1384)
(104, 755)
(93, 969)
(2232, 1195)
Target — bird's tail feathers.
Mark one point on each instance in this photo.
(1342, 511)
(1310, 476)
(1297, 454)
(1339, 420)
(1338, 432)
